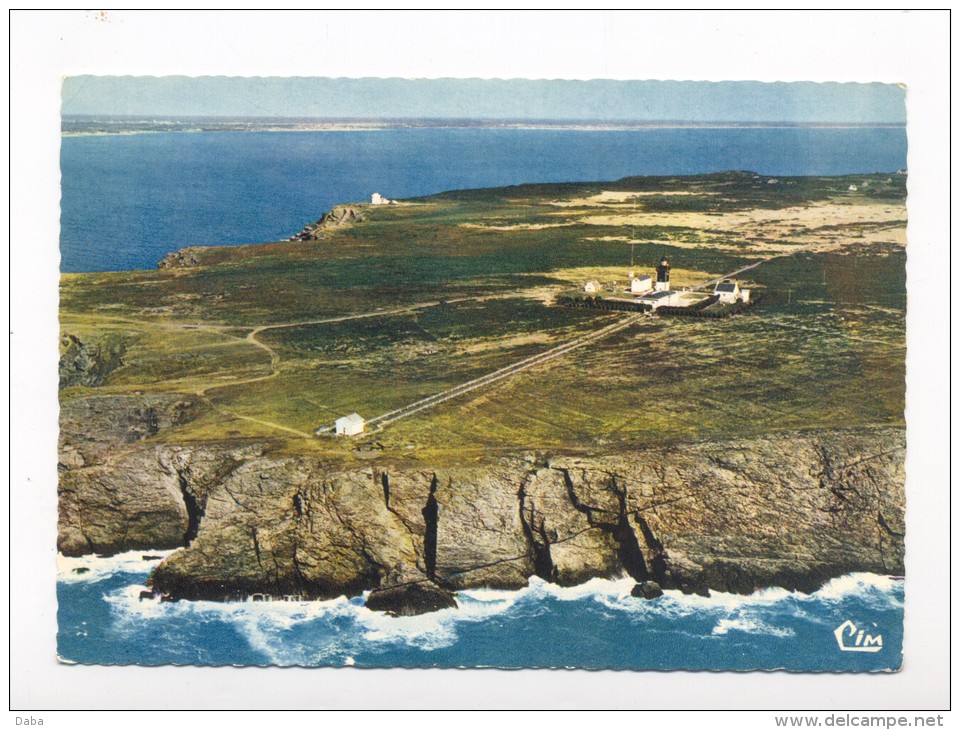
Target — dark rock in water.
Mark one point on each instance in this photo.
(648, 589)
(81, 571)
(146, 594)
(151, 557)
(409, 593)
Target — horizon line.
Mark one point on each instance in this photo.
(475, 121)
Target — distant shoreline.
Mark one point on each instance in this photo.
(94, 126)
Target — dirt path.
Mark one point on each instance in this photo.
(275, 357)
(269, 424)
(385, 419)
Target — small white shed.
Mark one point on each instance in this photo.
(641, 284)
(592, 287)
(728, 291)
(349, 425)
(378, 199)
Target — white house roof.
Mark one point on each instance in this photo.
(353, 419)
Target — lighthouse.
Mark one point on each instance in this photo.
(663, 276)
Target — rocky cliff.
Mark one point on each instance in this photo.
(338, 217)
(89, 363)
(790, 510)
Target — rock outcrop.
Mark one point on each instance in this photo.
(115, 493)
(338, 217)
(791, 510)
(185, 258)
(88, 363)
(98, 429)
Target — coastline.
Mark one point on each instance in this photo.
(103, 127)
(678, 631)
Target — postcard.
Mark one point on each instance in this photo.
(482, 373)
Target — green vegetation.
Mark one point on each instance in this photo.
(466, 281)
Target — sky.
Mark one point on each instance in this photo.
(372, 98)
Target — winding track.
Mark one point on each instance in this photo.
(275, 357)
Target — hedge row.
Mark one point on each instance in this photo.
(600, 303)
(702, 312)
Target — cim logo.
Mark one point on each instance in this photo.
(850, 638)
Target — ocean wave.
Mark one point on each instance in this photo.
(858, 584)
(91, 568)
(750, 625)
(336, 631)
(311, 632)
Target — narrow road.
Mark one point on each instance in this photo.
(505, 372)
(714, 282)
(385, 419)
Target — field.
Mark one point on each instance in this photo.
(280, 339)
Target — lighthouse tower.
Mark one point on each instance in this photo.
(663, 276)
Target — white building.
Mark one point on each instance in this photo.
(349, 425)
(730, 292)
(641, 284)
(592, 287)
(664, 298)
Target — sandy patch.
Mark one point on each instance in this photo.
(617, 197)
(516, 226)
(817, 227)
(808, 216)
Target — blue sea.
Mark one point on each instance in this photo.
(129, 199)
(596, 625)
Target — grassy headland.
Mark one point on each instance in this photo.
(465, 283)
